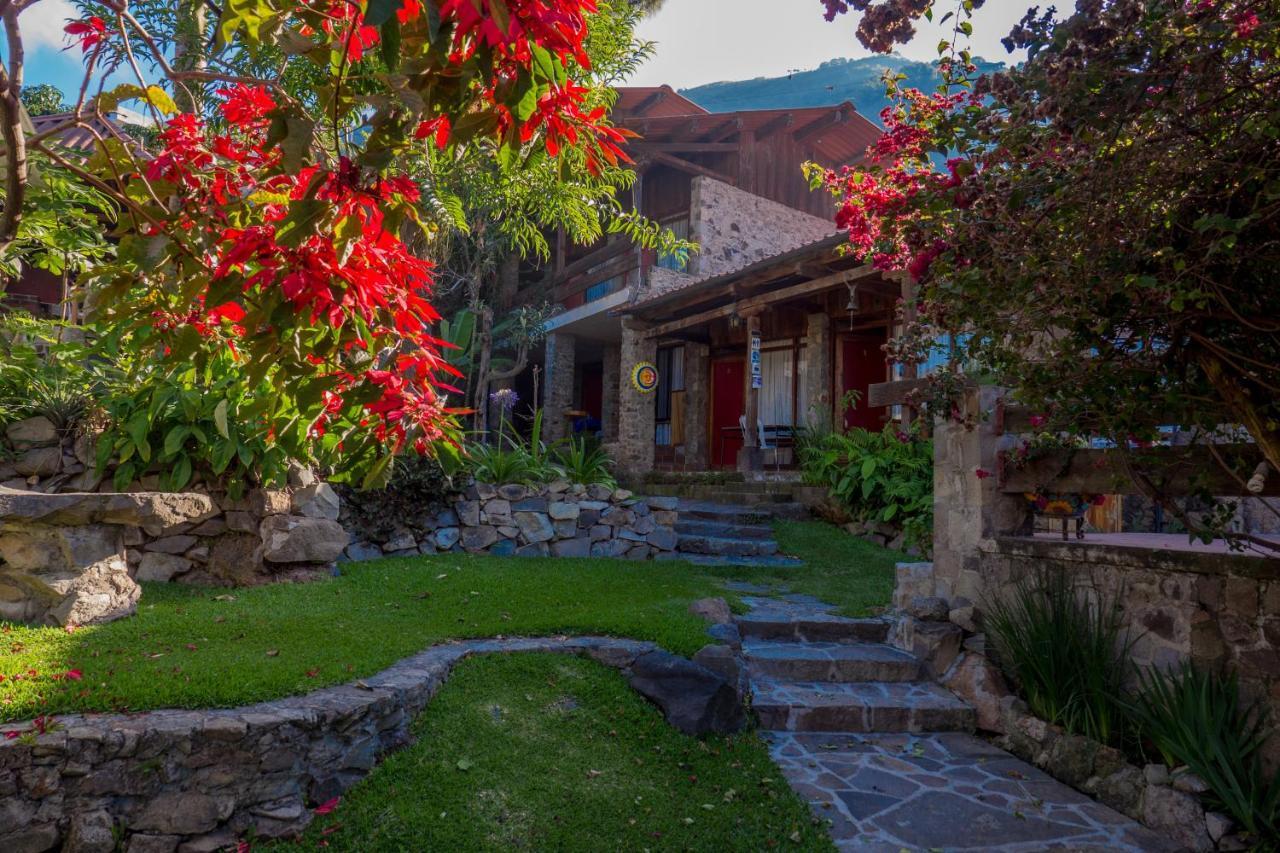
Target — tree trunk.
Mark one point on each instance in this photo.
(484, 341)
(1242, 404)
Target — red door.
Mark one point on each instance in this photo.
(593, 390)
(863, 365)
(727, 406)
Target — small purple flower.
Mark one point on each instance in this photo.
(506, 398)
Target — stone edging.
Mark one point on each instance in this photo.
(196, 781)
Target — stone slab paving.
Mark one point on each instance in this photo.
(949, 792)
(837, 662)
(859, 707)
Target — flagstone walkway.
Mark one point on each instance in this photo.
(887, 757)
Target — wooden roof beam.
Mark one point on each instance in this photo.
(818, 125)
(644, 147)
(651, 101)
(690, 167)
(774, 125)
(723, 131)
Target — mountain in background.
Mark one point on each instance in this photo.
(833, 82)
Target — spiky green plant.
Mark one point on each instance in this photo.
(1197, 719)
(1068, 655)
(584, 461)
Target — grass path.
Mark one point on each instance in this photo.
(550, 752)
(191, 647)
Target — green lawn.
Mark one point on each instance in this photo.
(192, 647)
(549, 752)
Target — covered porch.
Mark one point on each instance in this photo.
(748, 358)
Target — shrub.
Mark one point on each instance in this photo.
(43, 375)
(877, 476)
(584, 461)
(1068, 656)
(418, 483)
(1196, 719)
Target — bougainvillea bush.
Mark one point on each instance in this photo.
(1099, 226)
(263, 296)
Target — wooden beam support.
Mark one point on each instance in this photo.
(722, 131)
(774, 125)
(643, 147)
(816, 126)
(1174, 470)
(755, 304)
(690, 167)
(644, 106)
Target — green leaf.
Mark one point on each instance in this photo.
(390, 45)
(174, 440)
(220, 419)
(301, 222)
(868, 467)
(378, 12)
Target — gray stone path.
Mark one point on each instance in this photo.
(863, 754)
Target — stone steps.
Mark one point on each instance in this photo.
(859, 707)
(723, 513)
(818, 628)
(834, 662)
(775, 561)
(723, 546)
(694, 527)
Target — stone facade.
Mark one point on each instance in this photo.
(611, 372)
(558, 520)
(818, 370)
(633, 452)
(735, 228)
(560, 384)
(170, 781)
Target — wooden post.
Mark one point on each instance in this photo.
(750, 458)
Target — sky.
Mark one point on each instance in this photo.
(698, 41)
(706, 41)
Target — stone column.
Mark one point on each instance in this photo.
(559, 381)
(968, 507)
(634, 450)
(610, 377)
(697, 405)
(817, 372)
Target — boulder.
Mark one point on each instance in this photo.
(235, 559)
(563, 510)
(977, 681)
(32, 432)
(179, 544)
(39, 462)
(503, 548)
(298, 539)
(663, 502)
(664, 539)
(498, 511)
(478, 538)
(512, 492)
(929, 608)
(534, 549)
(300, 477)
(694, 699)
(402, 540)
(565, 529)
(935, 644)
(722, 660)
(447, 537)
(534, 527)
(241, 521)
(161, 567)
(64, 575)
(1177, 815)
(468, 512)
(91, 832)
(358, 551)
(580, 547)
(714, 610)
(318, 500)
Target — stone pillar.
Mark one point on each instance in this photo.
(750, 457)
(817, 372)
(697, 405)
(559, 381)
(634, 450)
(611, 376)
(968, 507)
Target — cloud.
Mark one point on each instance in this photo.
(42, 24)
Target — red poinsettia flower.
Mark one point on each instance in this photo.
(86, 33)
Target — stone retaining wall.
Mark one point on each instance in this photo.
(557, 520)
(195, 781)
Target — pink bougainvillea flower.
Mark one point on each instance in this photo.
(982, 473)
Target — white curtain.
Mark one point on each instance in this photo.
(780, 385)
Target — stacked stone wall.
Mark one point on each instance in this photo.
(556, 520)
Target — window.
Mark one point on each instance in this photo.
(782, 392)
(679, 227)
(669, 405)
(602, 289)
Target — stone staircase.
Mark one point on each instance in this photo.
(709, 533)
(812, 671)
